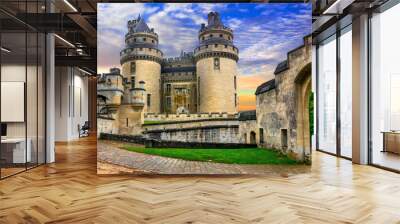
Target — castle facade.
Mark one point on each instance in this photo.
(202, 81)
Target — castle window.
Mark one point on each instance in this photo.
(134, 39)
(229, 38)
(132, 82)
(216, 45)
(235, 99)
(149, 49)
(206, 46)
(148, 100)
(109, 82)
(168, 103)
(144, 39)
(211, 35)
(261, 135)
(152, 41)
(234, 81)
(203, 38)
(216, 63)
(140, 49)
(220, 35)
(133, 67)
(168, 89)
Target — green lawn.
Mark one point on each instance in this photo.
(154, 122)
(231, 156)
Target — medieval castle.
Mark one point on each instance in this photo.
(193, 98)
(202, 81)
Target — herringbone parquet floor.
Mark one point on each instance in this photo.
(69, 191)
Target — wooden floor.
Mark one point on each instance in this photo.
(69, 191)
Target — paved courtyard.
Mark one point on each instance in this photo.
(113, 160)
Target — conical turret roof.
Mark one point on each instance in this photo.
(141, 26)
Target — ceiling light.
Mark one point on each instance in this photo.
(86, 72)
(337, 7)
(64, 40)
(5, 50)
(70, 5)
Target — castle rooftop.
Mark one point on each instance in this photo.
(139, 25)
(214, 22)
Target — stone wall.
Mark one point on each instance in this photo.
(130, 120)
(277, 108)
(216, 88)
(149, 72)
(212, 131)
(271, 116)
(211, 134)
(106, 125)
(194, 145)
(191, 124)
(245, 129)
(186, 117)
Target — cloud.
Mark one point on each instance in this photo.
(263, 33)
(234, 23)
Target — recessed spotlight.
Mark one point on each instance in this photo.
(84, 71)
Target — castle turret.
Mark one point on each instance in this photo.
(216, 67)
(141, 61)
(110, 87)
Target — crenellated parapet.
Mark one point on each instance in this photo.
(186, 59)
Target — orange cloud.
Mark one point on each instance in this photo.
(247, 86)
(250, 82)
(247, 102)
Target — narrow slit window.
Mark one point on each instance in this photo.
(216, 64)
(148, 100)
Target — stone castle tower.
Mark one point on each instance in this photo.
(141, 61)
(216, 67)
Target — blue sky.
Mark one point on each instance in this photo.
(264, 33)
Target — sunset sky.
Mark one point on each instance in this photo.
(264, 33)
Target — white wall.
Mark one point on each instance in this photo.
(71, 102)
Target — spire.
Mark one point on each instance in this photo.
(138, 17)
(141, 26)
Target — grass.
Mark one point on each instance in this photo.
(154, 122)
(230, 156)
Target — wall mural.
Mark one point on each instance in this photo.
(192, 88)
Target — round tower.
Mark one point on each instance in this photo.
(141, 61)
(216, 67)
